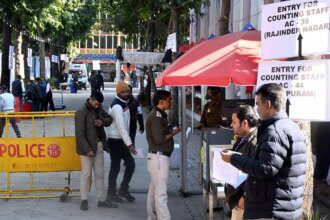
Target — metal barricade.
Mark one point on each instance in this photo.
(38, 155)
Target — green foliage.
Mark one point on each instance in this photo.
(63, 21)
(131, 17)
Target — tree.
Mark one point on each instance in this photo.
(52, 23)
(148, 20)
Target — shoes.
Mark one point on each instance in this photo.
(115, 198)
(126, 195)
(107, 204)
(84, 205)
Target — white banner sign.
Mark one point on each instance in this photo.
(29, 57)
(11, 57)
(54, 59)
(64, 57)
(282, 22)
(96, 65)
(29, 52)
(171, 42)
(306, 84)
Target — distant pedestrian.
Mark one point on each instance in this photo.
(42, 86)
(244, 123)
(121, 145)
(274, 187)
(17, 90)
(49, 98)
(90, 142)
(96, 81)
(161, 145)
(33, 96)
(135, 115)
(7, 105)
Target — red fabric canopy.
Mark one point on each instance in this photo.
(217, 62)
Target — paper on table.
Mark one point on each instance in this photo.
(139, 153)
(225, 172)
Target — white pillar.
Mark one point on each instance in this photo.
(118, 70)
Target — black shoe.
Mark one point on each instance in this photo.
(84, 205)
(126, 195)
(107, 204)
(115, 198)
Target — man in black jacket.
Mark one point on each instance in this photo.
(135, 115)
(275, 184)
(90, 142)
(244, 123)
(17, 91)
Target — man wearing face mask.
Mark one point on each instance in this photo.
(121, 145)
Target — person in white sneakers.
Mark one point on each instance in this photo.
(121, 146)
(7, 105)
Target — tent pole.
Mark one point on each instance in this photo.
(184, 179)
(192, 109)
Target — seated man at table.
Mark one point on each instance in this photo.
(244, 123)
(211, 115)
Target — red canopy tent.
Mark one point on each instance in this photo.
(231, 58)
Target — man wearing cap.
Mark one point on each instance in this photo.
(90, 141)
(121, 145)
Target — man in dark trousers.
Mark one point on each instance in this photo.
(135, 115)
(90, 142)
(244, 122)
(161, 145)
(33, 95)
(121, 146)
(16, 89)
(276, 174)
(96, 81)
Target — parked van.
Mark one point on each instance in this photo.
(80, 72)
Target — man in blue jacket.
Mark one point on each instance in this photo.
(275, 184)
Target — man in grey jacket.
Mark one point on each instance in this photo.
(91, 140)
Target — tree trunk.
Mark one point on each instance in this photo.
(18, 54)
(150, 47)
(305, 127)
(25, 46)
(224, 19)
(42, 58)
(6, 41)
(174, 115)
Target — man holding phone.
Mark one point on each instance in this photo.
(91, 140)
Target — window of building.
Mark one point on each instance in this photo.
(136, 43)
(115, 41)
(83, 43)
(90, 43)
(122, 42)
(103, 39)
